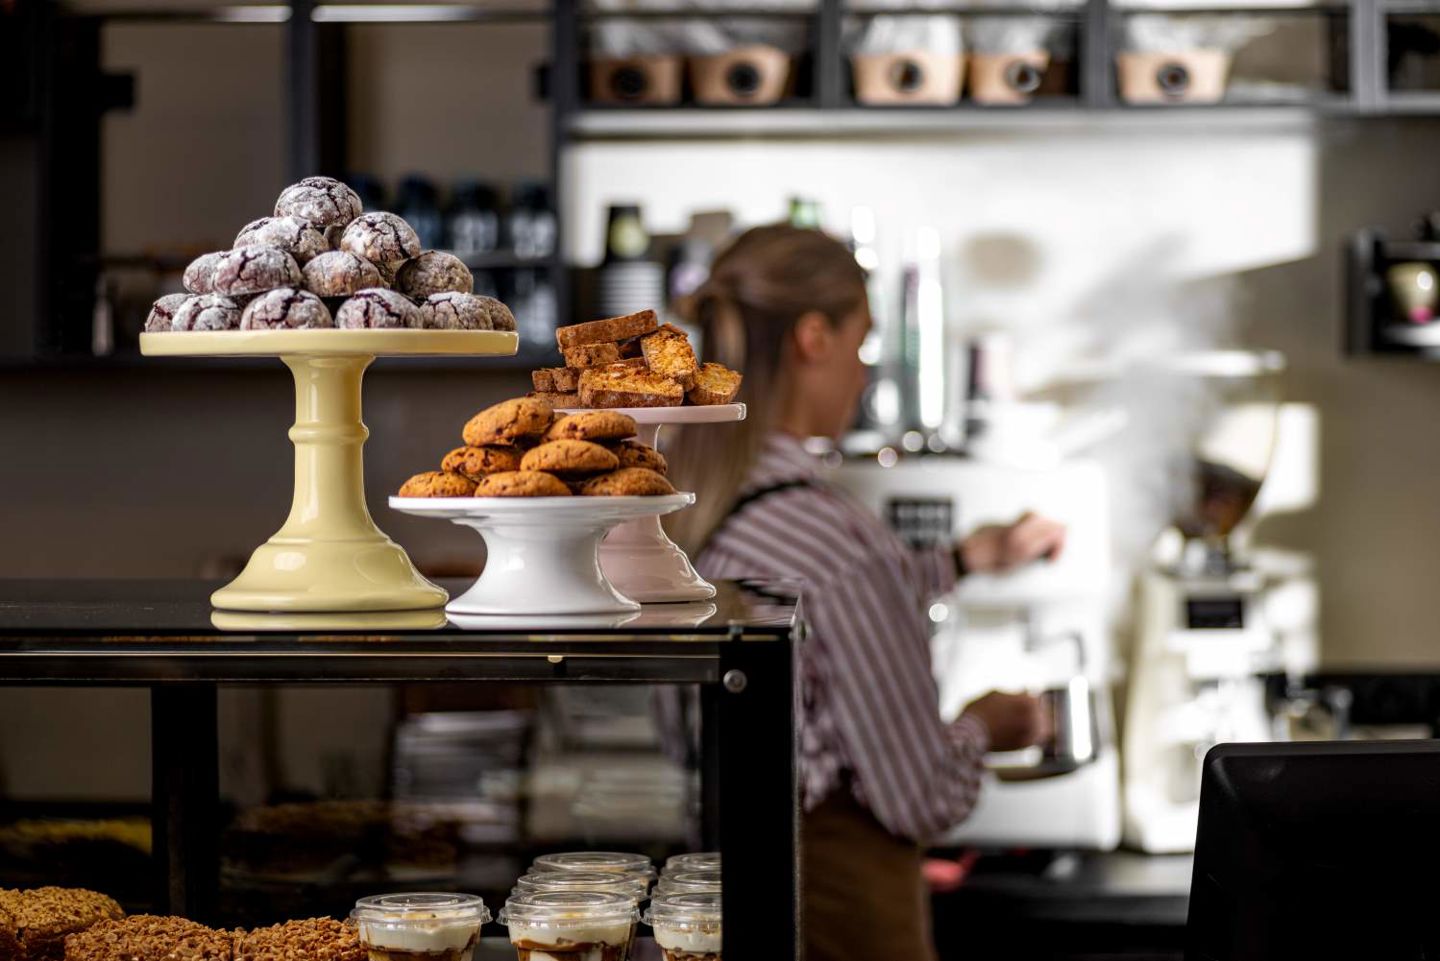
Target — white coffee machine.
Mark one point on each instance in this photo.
(1043, 629)
(1212, 615)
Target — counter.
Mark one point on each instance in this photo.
(739, 649)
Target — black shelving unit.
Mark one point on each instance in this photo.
(61, 106)
(163, 636)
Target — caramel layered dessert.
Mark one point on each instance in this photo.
(420, 927)
(687, 926)
(570, 925)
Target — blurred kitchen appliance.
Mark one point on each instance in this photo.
(1007, 78)
(651, 81)
(1202, 639)
(1181, 76)
(628, 280)
(910, 77)
(1044, 629)
(753, 75)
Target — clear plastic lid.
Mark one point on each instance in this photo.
(685, 911)
(561, 909)
(700, 861)
(423, 909)
(605, 862)
(689, 882)
(631, 885)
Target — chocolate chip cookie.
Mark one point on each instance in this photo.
(456, 311)
(434, 272)
(162, 312)
(285, 308)
(477, 462)
(207, 312)
(508, 422)
(290, 234)
(339, 273)
(199, 277)
(628, 482)
(376, 309)
(521, 483)
(438, 483)
(596, 425)
(570, 458)
(380, 238)
(321, 202)
(255, 269)
(632, 453)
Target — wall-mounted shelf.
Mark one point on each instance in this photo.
(1373, 325)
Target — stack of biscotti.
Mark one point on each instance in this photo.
(35, 923)
(523, 448)
(148, 937)
(632, 361)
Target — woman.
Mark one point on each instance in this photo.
(881, 774)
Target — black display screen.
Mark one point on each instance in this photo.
(1215, 613)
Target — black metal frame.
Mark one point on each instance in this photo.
(747, 677)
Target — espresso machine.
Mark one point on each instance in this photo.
(1203, 638)
(1043, 629)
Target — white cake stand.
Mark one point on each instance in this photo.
(639, 559)
(543, 552)
(329, 555)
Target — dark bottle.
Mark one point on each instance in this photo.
(418, 201)
(472, 223)
(531, 225)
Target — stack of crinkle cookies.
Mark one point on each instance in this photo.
(523, 448)
(71, 924)
(319, 262)
(632, 361)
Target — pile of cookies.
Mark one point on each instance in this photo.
(319, 263)
(523, 448)
(631, 361)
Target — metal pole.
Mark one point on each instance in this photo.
(302, 83)
(759, 801)
(185, 798)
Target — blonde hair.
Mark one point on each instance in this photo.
(764, 282)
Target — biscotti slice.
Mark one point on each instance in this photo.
(628, 387)
(714, 384)
(566, 379)
(668, 352)
(591, 355)
(558, 400)
(607, 331)
(543, 379)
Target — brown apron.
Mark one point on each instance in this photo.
(864, 897)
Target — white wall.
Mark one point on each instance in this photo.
(1124, 239)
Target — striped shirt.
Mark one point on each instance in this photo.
(870, 715)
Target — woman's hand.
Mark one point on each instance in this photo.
(997, 548)
(1015, 721)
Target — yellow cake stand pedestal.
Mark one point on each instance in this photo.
(329, 555)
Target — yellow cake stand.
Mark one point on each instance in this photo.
(329, 555)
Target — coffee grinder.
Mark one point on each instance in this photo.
(1202, 639)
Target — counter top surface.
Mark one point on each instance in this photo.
(146, 631)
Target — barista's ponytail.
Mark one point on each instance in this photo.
(758, 288)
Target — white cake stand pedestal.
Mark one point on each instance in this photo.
(543, 552)
(329, 555)
(639, 558)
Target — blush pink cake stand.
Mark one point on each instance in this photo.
(637, 556)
